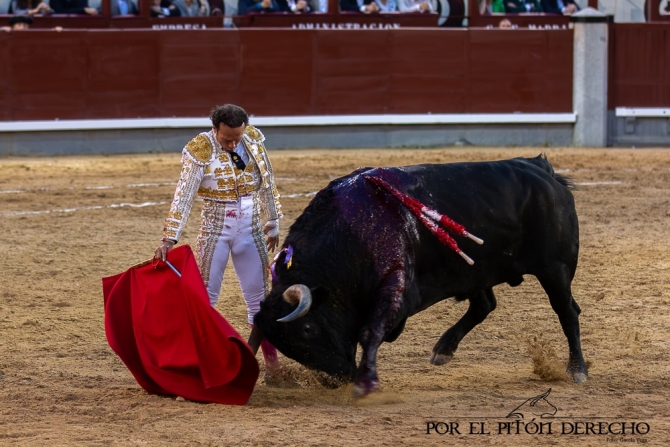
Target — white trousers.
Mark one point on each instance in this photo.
(233, 230)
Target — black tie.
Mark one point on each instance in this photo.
(239, 163)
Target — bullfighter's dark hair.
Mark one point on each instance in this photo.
(230, 115)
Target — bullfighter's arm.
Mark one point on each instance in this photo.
(270, 202)
(270, 195)
(193, 161)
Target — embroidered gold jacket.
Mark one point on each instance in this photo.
(208, 171)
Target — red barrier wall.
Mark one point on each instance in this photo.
(147, 73)
(641, 66)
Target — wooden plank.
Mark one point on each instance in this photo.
(195, 77)
(123, 74)
(5, 77)
(352, 71)
(275, 74)
(100, 74)
(429, 72)
(507, 71)
(48, 78)
(558, 71)
(641, 67)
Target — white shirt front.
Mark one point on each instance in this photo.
(239, 149)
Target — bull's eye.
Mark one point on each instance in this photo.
(309, 330)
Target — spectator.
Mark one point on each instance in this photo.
(505, 24)
(320, 6)
(192, 8)
(22, 23)
(352, 5)
(521, 6)
(566, 7)
(417, 5)
(18, 23)
(123, 7)
(532, 5)
(514, 6)
(28, 7)
(249, 6)
(164, 8)
(217, 8)
(491, 7)
(300, 6)
(72, 7)
(375, 6)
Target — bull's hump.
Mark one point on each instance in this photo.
(351, 178)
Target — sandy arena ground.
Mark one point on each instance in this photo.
(68, 221)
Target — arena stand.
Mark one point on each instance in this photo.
(451, 13)
(287, 73)
(454, 13)
(313, 86)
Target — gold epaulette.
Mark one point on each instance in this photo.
(253, 135)
(200, 149)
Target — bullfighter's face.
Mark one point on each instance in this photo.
(318, 339)
(229, 137)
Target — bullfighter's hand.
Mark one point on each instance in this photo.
(271, 230)
(162, 250)
(272, 243)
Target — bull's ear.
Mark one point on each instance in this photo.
(320, 294)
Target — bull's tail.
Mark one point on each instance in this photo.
(541, 162)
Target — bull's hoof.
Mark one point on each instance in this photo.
(579, 377)
(440, 359)
(364, 388)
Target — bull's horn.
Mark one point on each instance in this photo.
(297, 294)
(255, 339)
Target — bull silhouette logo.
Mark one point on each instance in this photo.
(537, 406)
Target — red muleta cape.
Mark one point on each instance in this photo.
(171, 339)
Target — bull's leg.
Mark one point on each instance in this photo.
(367, 380)
(482, 303)
(565, 306)
(389, 311)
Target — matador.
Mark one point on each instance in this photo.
(228, 167)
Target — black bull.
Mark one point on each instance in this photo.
(362, 262)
